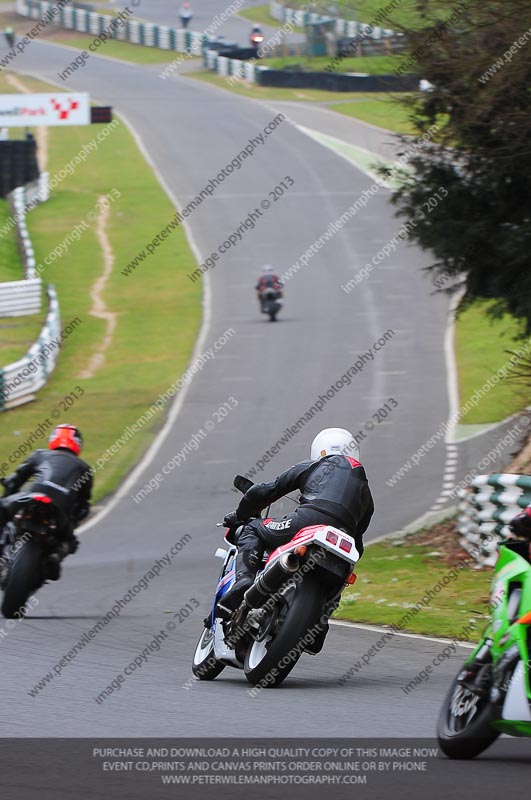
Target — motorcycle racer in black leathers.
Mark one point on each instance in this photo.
(333, 490)
(58, 473)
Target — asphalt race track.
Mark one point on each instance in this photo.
(275, 373)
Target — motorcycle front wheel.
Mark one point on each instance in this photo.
(464, 727)
(205, 665)
(270, 661)
(25, 576)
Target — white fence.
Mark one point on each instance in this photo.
(20, 298)
(486, 509)
(20, 199)
(21, 380)
(148, 34)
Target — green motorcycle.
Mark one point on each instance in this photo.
(492, 693)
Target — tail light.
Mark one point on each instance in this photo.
(352, 578)
(332, 537)
(41, 498)
(345, 545)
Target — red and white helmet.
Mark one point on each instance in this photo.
(66, 437)
(334, 441)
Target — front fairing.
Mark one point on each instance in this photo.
(507, 637)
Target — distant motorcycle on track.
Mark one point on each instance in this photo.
(256, 37)
(286, 610)
(492, 692)
(270, 303)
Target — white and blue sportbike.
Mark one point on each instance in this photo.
(284, 613)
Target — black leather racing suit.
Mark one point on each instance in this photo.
(61, 475)
(334, 491)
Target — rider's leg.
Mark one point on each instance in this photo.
(248, 559)
(252, 541)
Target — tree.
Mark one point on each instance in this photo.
(477, 56)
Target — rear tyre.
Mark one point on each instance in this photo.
(205, 665)
(464, 726)
(269, 662)
(25, 576)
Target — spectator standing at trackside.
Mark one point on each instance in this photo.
(9, 33)
(185, 14)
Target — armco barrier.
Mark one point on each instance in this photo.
(338, 82)
(21, 380)
(232, 67)
(485, 510)
(295, 79)
(344, 27)
(148, 34)
(20, 298)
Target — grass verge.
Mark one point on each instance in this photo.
(260, 14)
(10, 264)
(380, 110)
(366, 65)
(135, 53)
(158, 309)
(395, 574)
(481, 345)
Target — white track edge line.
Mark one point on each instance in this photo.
(379, 629)
(176, 406)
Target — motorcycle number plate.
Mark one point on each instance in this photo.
(331, 563)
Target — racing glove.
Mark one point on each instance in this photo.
(9, 486)
(232, 520)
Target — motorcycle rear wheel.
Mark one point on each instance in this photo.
(205, 665)
(269, 662)
(461, 737)
(25, 576)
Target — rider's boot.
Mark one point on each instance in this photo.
(66, 548)
(247, 563)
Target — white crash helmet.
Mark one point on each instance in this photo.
(334, 441)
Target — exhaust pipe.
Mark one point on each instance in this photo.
(269, 581)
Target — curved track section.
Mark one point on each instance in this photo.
(276, 372)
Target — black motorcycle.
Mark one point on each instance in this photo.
(270, 303)
(32, 546)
